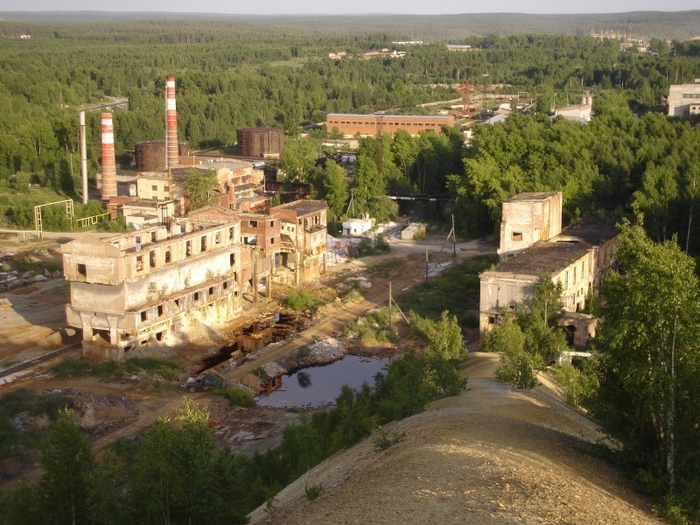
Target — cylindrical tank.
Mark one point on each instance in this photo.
(150, 155)
(260, 142)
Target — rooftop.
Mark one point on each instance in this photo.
(303, 207)
(559, 252)
(427, 117)
(532, 196)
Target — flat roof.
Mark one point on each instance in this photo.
(532, 196)
(303, 207)
(561, 251)
(427, 117)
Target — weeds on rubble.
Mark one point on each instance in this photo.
(371, 329)
(368, 247)
(448, 291)
(386, 440)
(239, 397)
(18, 409)
(301, 301)
(261, 373)
(153, 366)
(384, 269)
(313, 491)
(25, 264)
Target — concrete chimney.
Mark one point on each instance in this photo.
(172, 154)
(83, 157)
(109, 163)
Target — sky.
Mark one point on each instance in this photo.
(354, 7)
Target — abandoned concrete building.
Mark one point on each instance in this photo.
(533, 244)
(147, 286)
(303, 228)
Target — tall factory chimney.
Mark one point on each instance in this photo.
(109, 164)
(83, 157)
(172, 154)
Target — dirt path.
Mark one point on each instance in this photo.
(492, 455)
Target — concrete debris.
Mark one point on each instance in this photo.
(14, 279)
(324, 351)
(274, 369)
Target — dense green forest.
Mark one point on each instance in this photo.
(233, 73)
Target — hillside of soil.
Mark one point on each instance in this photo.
(492, 455)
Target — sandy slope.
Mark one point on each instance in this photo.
(493, 455)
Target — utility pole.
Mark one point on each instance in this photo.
(390, 301)
(426, 264)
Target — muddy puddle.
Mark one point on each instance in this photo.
(318, 386)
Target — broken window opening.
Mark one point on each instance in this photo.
(211, 291)
(160, 310)
(159, 336)
(188, 248)
(82, 270)
(225, 285)
(177, 303)
(203, 243)
(230, 234)
(232, 260)
(153, 237)
(517, 236)
(152, 258)
(144, 316)
(196, 296)
(253, 224)
(168, 256)
(139, 263)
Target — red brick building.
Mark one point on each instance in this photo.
(371, 125)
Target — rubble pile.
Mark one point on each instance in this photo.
(17, 279)
(97, 414)
(319, 352)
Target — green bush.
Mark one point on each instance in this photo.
(301, 301)
(577, 384)
(384, 269)
(313, 491)
(152, 365)
(236, 396)
(13, 440)
(386, 440)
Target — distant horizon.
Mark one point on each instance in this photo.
(359, 7)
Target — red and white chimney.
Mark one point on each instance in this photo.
(109, 164)
(172, 154)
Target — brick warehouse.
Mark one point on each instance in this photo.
(371, 125)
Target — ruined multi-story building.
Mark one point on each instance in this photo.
(533, 245)
(304, 227)
(149, 285)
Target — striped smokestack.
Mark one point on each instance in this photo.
(172, 159)
(109, 164)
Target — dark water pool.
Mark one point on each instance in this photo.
(317, 386)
